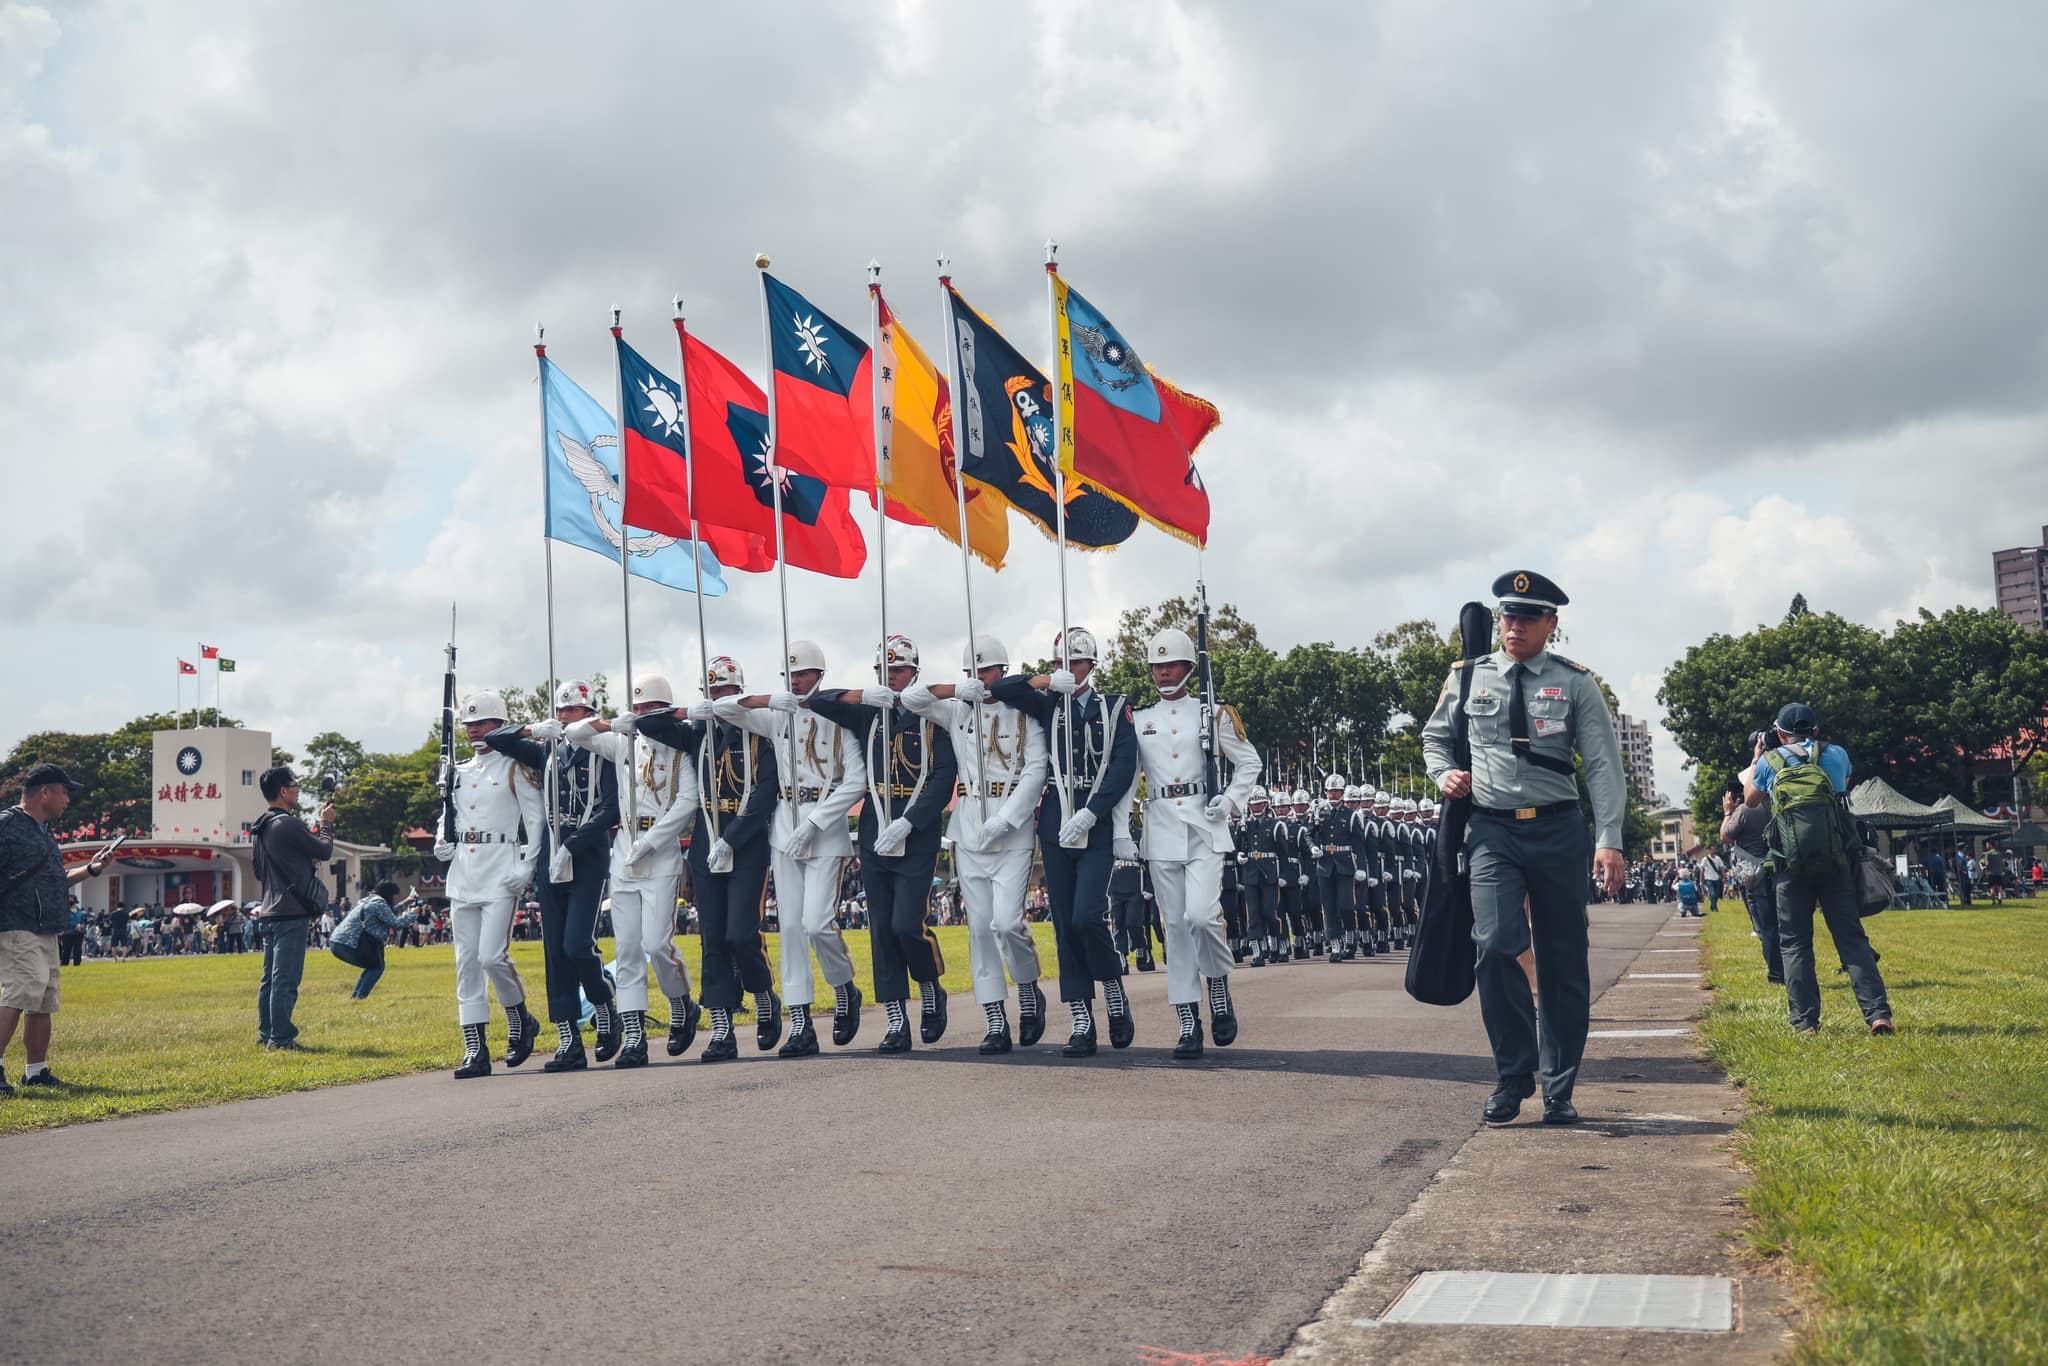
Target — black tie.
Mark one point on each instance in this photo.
(1518, 710)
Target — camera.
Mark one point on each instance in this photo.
(1759, 737)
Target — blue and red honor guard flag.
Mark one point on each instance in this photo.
(817, 363)
(657, 482)
(1130, 432)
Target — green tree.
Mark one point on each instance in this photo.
(331, 754)
(1798, 609)
(1420, 659)
(1963, 684)
(527, 705)
(114, 766)
(388, 794)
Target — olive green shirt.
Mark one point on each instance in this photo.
(1567, 714)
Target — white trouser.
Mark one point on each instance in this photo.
(483, 952)
(1190, 897)
(992, 893)
(643, 932)
(807, 909)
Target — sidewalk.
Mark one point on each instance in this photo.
(1644, 1186)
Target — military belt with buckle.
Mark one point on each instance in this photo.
(997, 789)
(1256, 854)
(803, 794)
(1527, 813)
(901, 790)
(485, 837)
(646, 823)
(1336, 848)
(729, 806)
(1170, 790)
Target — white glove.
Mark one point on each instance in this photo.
(562, 865)
(784, 702)
(639, 851)
(1064, 682)
(1302, 880)
(970, 691)
(515, 883)
(1244, 858)
(720, 858)
(1126, 850)
(1361, 876)
(625, 724)
(701, 710)
(1074, 834)
(879, 698)
(1372, 882)
(993, 829)
(894, 836)
(1218, 807)
(800, 839)
(547, 732)
(444, 851)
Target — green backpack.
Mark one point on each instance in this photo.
(1810, 831)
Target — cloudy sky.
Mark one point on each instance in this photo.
(1690, 306)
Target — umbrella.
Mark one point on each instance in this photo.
(219, 906)
(188, 908)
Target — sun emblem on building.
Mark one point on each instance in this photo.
(661, 401)
(810, 339)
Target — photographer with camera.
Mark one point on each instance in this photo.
(1745, 827)
(362, 936)
(285, 854)
(1812, 852)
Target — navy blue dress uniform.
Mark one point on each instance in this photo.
(1330, 833)
(737, 781)
(1131, 909)
(1258, 878)
(1528, 841)
(581, 795)
(1234, 928)
(911, 775)
(1094, 754)
(1370, 840)
(1290, 842)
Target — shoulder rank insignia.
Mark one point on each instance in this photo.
(1572, 664)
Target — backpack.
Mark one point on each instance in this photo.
(1809, 831)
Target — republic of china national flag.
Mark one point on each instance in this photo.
(1129, 430)
(1007, 418)
(824, 424)
(209, 651)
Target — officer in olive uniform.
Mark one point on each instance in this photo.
(1527, 711)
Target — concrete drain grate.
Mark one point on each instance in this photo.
(1671, 1304)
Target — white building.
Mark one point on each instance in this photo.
(204, 798)
(1636, 757)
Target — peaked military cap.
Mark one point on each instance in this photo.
(1525, 593)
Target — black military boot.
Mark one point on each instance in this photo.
(522, 1031)
(633, 1052)
(897, 1040)
(569, 1055)
(1222, 1017)
(609, 1036)
(846, 1014)
(1190, 1044)
(932, 1027)
(802, 1043)
(682, 1026)
(476, 1057)
(1031, 1014)
(997, 1040)
(767, 1022)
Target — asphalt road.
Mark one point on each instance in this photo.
(932, 1208)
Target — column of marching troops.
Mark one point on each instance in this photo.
(1001, 765)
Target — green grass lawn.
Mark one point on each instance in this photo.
(1906, 1177)
(166, 1033)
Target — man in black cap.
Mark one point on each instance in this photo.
(34, 904)
(1526, 712)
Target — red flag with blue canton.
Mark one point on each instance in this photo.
(818, 427)
(657, 477)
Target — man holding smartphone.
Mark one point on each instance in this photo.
(286, 850)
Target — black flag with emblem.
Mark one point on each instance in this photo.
(1441, 965)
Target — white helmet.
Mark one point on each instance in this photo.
(1259, 797)
(894, 653)
(805, 654)
(1300, 796)
(1351, 793)
(1077, 642)
(483, 706)
(985, 652)
(574, 692)
(654, 688)
(724, 672)
(1382, 800)
(1170, 646)
(1404, 806)
(1367, 791)
(1334, 783)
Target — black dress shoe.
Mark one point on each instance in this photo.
(1237, 953)
(608, 1040)
(1258, 961)
(1031, 1025)
(1145, 963)
(1081, 1044)
(846, 1023)
(478, 1065)
(997, 1041)
(897, 1040)
(802, 1044)
(768, 1025)
(1560, 1111)
(721, 1050)
(682, 1033)
(1190, 1045)
(632, 1055)
(571, 1059)
(1503, 1105)
(520, 1049)
(1122, 1029)
(932, 1026)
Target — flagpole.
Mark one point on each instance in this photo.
(216, 691)
(627, 797)
(952, 330)
(696, 541)
(769, 463)
(178, 707)
(886, 785)
(540, 352)
(1060, 419)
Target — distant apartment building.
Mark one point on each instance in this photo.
(2020, 578)
(1636, 757)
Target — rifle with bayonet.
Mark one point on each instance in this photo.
(447, 773)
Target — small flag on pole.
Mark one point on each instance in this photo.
(187, 668)
(227, 666)
(209, 651)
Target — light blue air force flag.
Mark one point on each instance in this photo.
(581, 452)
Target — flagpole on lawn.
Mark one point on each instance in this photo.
(952, 331)
(886, 784)
(540, 352)
(628, 783)
(769, 463)
(696, 543)
(1059, 501)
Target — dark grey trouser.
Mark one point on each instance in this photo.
(1762, 902)
(284, 962)
(1545, 860)
(1835, 895)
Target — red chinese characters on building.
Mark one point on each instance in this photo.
(188, 792)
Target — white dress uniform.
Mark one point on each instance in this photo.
(829, 776)
(488, 869)
(1183, 847)
(1002, 755)
(664, 787)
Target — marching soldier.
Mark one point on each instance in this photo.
(1290, 840)
(1093, 762)
(911, 775)
(1232, 904)
(488, 869)
(1331, 834)
(582, 801)
(1388, 853)
(1368, 858)
(1002, 758)
(1187, 835)
(728, 859)
(1414, 861)
(1130, 903)
(647, 862)
(1526, 711)
(823, 776)
(1258, 875)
